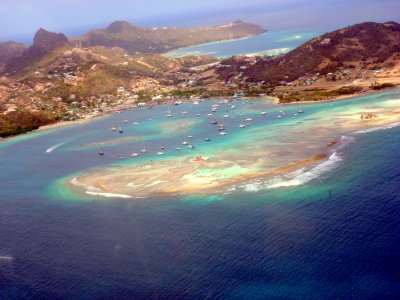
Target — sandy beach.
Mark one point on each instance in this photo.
(254, 158)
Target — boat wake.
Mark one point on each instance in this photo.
(6, 258)
(51, 149)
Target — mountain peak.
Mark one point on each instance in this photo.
(119, 26)
(49, 40)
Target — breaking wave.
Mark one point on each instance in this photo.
(109, 195)
(91, 190)
(378, 128)
(305, 175)
(302, 175)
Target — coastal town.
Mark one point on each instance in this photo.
(80, 82)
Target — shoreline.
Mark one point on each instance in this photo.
(209, 43)
(340, 98)
(275, 100)
(228, 171)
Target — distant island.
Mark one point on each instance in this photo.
(120, 67)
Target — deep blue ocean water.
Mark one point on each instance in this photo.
(335, 237)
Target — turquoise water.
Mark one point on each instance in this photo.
(275, 42)
(333, 236)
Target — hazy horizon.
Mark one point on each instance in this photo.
(21, 20)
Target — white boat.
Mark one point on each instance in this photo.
(169, 113)
(125, 121)
(134, 154)
(249, 119)
(242, 125)
(222, 133)
(178, 148)
(207, 139)
(300, 111)
(185, 142)
(135, 123)
(263, 113)
(160, 153)
(114, 129)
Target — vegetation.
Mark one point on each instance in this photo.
(381, 86)
(201, 92)
(21, 121)
(357, 45)
(318, 94)
(134, 39)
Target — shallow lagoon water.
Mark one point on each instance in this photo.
(335, 236)
(271, 42)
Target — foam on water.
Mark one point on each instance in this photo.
(377, 128)
(302, 175)
(91, 190)
(109, 195)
